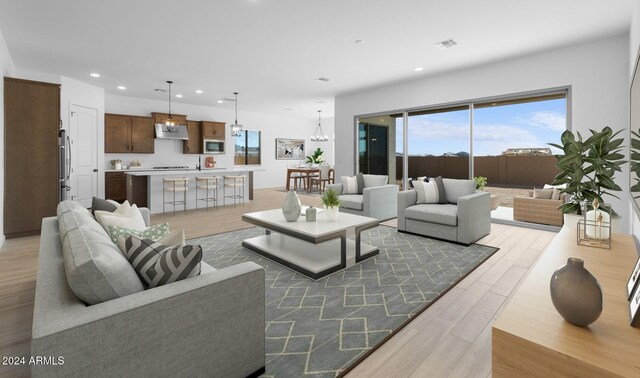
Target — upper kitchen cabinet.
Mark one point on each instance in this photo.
(213, 130)
(128, 134)
(194, 144)
(142, 135)
(161, 117)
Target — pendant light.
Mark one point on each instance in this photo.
(319, 135)
(236, 128)
(170, 121)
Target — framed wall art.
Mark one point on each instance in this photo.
(289, 149)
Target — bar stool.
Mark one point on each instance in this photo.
(237, 183)
(210, 186)
(175, 186)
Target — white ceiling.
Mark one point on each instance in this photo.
(271, 51)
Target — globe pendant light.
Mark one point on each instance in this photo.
(319, 135)
(236, 128)
(170, 121)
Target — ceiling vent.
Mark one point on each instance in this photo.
(227, 99)
(323, 79)
(449, 43)
(160, 90)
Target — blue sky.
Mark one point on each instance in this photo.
(532, 124)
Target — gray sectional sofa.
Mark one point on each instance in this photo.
(376, 201)
(465, 218)
(211, 325)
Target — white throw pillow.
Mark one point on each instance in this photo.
(427, 191)
(548, 186)
(131, 218)
(349, 184)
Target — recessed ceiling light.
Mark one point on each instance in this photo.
(418, 69)
(199, 91)
(323, 79)
(449, 43)
(122, 87)
(94, 74)
(220, 101)
(179, 96)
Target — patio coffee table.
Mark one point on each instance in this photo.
(315, 249)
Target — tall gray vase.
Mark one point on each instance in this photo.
(576, 293)
(291, 207)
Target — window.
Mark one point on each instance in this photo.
(247, 148)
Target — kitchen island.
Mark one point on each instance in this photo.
(145, 188)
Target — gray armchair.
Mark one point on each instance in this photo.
(465, 219)
(376, 201)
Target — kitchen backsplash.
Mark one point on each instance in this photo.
(168, 153)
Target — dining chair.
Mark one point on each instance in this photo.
(322, 179)
(297, 177)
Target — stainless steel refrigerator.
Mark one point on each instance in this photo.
(64, 164)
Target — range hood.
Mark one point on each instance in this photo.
(171, 132)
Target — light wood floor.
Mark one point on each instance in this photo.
(451, 338)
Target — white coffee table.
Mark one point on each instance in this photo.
(315, 249)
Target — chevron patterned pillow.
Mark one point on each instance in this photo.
(158, 264)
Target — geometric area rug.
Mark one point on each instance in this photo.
(323, 328)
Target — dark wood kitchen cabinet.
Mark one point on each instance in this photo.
(128, 134)
(31, 125)
(115, 186)
(213, 130)
(194, 144)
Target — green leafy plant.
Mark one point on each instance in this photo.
(316, 157)
(330, 198)
(481, 182)
(588, 166)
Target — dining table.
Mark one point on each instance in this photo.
(309, 172)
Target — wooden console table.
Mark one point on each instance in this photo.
(530, 338)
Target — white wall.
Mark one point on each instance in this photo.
(634, 46)
(7, 68)
(169, 152)
(597, 72)
(74, 92)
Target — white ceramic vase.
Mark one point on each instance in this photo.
(331, 213)
(291, 207)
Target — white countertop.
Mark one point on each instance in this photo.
(183, 172)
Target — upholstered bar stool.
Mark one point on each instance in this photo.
(178, 185)
(210, 187)
(235, 183)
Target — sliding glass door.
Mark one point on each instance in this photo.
(438, 142)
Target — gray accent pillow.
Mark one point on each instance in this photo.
(102, 204)
(371, 181)
(158, 264)
(456, 188)
(428, 192)
(443, 195)
(543, 193)
(360, 178)
(96, 270)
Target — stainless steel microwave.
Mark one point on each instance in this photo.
(213, 146)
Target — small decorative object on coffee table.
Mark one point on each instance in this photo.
(291, 207)
(594, 229)
(331, 204)
(310, 214)
(576, 293)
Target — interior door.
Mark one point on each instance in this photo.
(83, 138)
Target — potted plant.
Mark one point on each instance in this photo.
(331, 203)
(481, 182)
(315, 158)
(588, 166)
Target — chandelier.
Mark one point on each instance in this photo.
(319, 135)
(236, 128)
